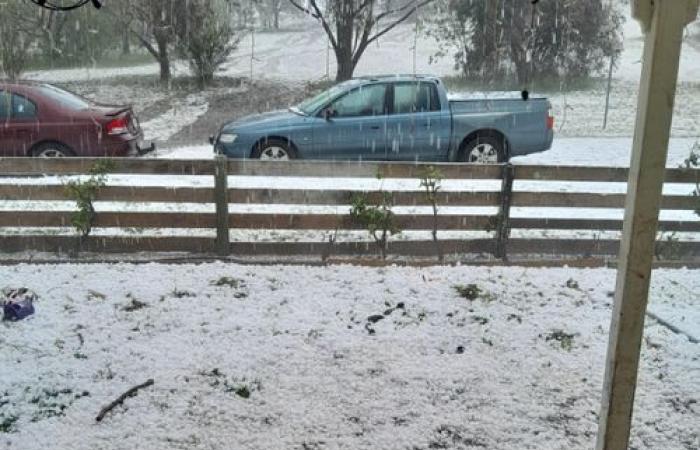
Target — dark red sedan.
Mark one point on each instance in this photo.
(38, 119)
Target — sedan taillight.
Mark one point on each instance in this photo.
(117, 126)
(550, 122)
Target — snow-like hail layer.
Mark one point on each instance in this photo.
(343, 357)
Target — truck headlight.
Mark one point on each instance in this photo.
(227, 138)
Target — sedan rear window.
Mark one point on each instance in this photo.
(65, 98)
(4, 105)
(22, 108)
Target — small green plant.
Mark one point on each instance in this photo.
(431, 181)
(572, 284)
(177, 293)
(242, 391)
(671, 248)
(134, 305)
(231, 282)
(7, 424)
(566, 340)
(379, 220)
(693, 162)
(469, 292)
(84, 193)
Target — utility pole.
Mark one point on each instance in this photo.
(607, 93)
(610, 74)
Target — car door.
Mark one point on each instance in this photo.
(417, 127)
(354, 125)
(20, 124)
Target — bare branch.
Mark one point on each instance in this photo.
(317, 14)
(400, 20)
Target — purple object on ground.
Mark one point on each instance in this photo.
(18, 304)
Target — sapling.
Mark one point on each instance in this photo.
(84, 194)
(693, 162)
(378, 219)
(431, 181)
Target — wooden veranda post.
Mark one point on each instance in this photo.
(663, 22)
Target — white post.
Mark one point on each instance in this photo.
(663, 21)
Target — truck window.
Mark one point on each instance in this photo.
(363, 101)
(415, 97)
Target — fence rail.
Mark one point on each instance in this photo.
(35, 229)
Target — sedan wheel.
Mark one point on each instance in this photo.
(274, 153)
(51, 153)
(52, 150)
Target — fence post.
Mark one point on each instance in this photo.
(503, 222)
(221, 201)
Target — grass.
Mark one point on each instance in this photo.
(105, 62)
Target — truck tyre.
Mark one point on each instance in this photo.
(484, 150)
(51, 150)
(274, 150)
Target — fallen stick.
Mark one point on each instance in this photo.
(131, 392)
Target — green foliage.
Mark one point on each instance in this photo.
(493, 39)
(671, 247)
(231, 282)
(209, 38)
(84, 194)
(693, 162)
(7, 424)
(469, 292)
(566, 340)
(240, 387)
(378, 219)
(431, 181)
(17, 36)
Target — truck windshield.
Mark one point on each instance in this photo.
(311, 105)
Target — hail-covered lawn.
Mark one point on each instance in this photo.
(341, 357)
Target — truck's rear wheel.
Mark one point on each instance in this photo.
(484, 150)
(274, 150)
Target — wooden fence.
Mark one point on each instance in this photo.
(225, 192)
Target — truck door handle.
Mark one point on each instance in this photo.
(22, 132)
(375, 127)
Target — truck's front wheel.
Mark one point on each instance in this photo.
(483, 150)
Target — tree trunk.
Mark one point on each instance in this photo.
(164, 61)
(343, 50)
(346, 68)
(126, 42)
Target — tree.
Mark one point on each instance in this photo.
(17, 35)
(509, 39)
(207, 37)
(269, 11)
(351, 25)
(154, 24)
